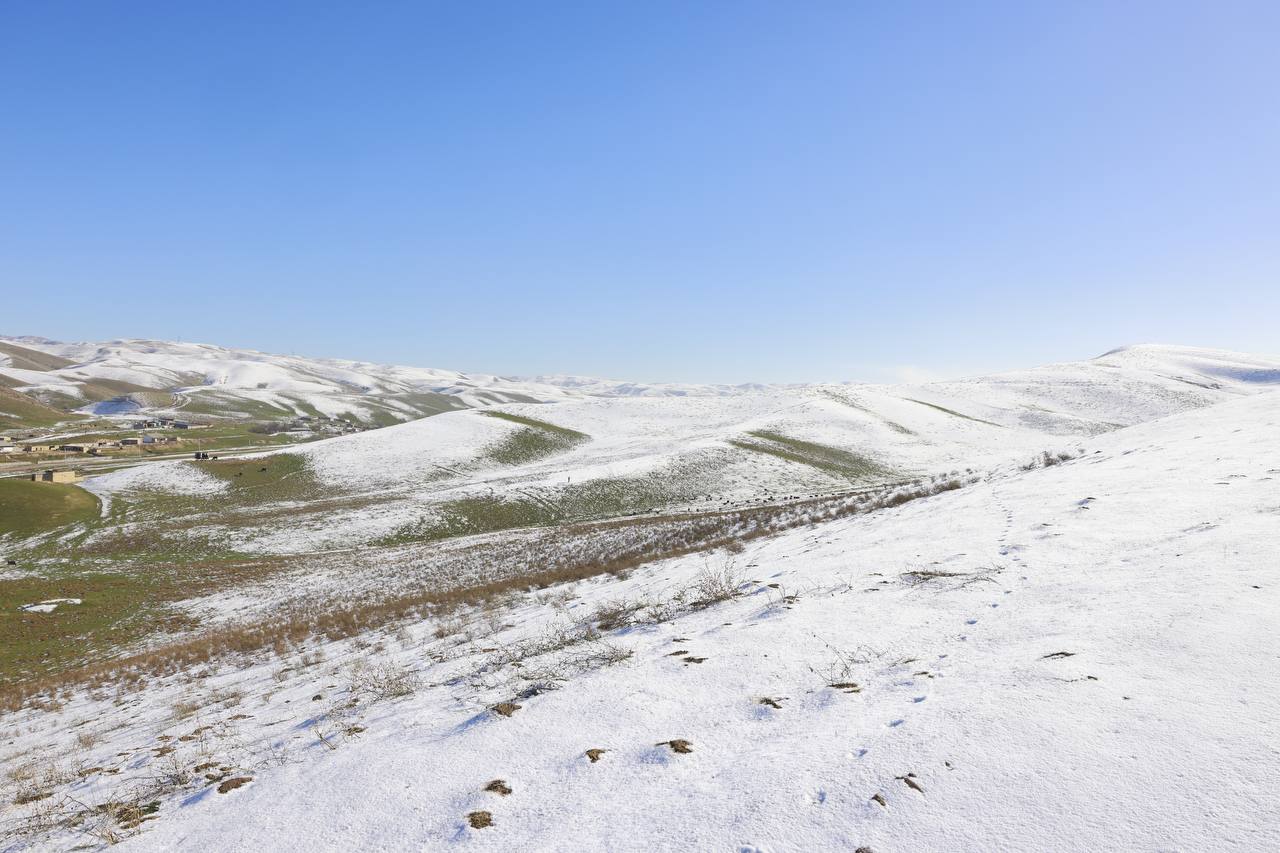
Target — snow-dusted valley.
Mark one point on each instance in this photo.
(1029, 611)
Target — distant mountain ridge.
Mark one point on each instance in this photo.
(144, 375)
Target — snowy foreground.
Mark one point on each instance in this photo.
(1074, 657)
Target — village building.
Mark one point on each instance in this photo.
(50, 476)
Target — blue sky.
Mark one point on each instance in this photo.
(692, 191)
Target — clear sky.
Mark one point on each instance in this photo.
(686, 191)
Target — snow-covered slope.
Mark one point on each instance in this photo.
(119, 376)
(207, 379)
(1074, 657)
(585, 457)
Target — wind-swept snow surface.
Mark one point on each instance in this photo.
(1073, 657)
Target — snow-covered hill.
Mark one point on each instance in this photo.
(212, 380)
(1063, 658)
(588, 457)
(122, 376)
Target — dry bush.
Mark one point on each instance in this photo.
(185, 708)
(404, 637)
(36, 781)
(1048, 459)
(450, 626)
(845, 663)
(593, 655)
(384, 681)
(611, 615)
(171, 771)
(713, 585)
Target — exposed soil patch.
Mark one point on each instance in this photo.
(910, 781)
(479, 820)
(498, 786)
(678, 745)
(232, 784)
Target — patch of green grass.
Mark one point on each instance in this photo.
(28, 508)
(952, 412)
(281, 477)
(153, 399)
(536, 440)
(374, 410)
(115, 609)
(18, 411)
(843, 463)
(231, 405)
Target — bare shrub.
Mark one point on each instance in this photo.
(611, 615)
(171, 771)
(385, 681)
(450, 626)
(713, 585)
(844, 664)
(1048, 459)
(589, 657)
(185, 708)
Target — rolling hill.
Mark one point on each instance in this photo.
(584, 458)
(1062, 651)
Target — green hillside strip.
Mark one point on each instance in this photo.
(17, 411)
(537, 440)
(28, 508)
(223, 404)
(953, 412)
(843, 463)
(30, 359)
